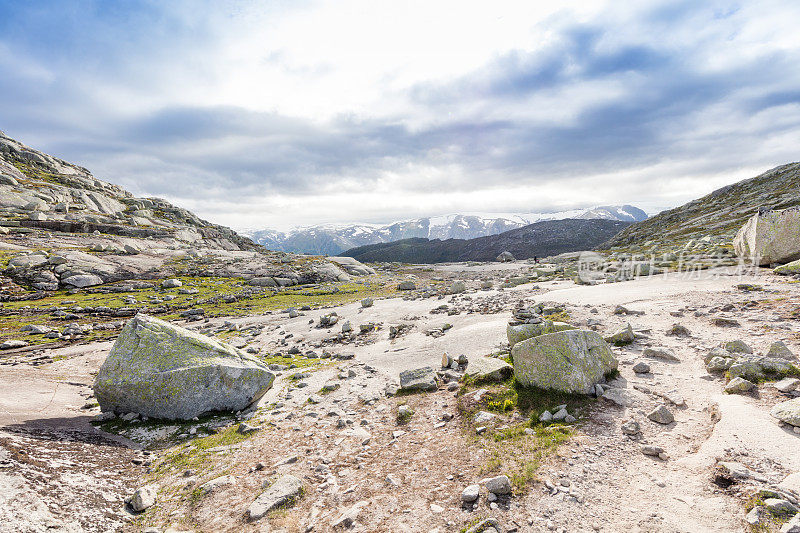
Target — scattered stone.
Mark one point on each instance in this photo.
(421, 379)
(661, 353)
(725, 322)
(285, 490)
(678, 330)
(770, 236)
(622, 337)
(498, 485)
(348, 518)
(661, 415)
(787, 385)
(484, 417)
(366, 302)
(142, 499)
(471, 493)
(641, 368)
(13, 343)
(651, 450)
(788, 412)
(407, 285)
(737, 346)
(779, 350)
(217, 483)
(631, 428)
(171, 284)
(738, 385)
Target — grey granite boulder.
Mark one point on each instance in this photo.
(423, 379)
(570, 361)
(164, 371)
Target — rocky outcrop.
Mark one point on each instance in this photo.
(770, 237)
(164, 371)
(568, 361)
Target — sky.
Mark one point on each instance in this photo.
(280, 114)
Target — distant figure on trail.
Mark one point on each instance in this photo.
(535, 259)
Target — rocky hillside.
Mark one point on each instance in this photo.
(544, 238)
(62, 228)
(716, 216)
(333, 239)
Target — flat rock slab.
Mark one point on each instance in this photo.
(488, 369)
(285, 490)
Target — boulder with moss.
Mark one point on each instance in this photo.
(164, 371)
(568, 361)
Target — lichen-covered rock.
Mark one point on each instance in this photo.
(521, 332)
(488, 369)
(738, 385)
(622, 337)
(788, 412)
(164, 371)
(789, 268)
(285, 490)
(779, 350)
(569, 361)
(407, 285)
(770, 237)
(418, 379)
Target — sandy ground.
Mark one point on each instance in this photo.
(619, 487)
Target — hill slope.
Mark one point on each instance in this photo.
(544, 238)
(333, 239)
(62, 228)
(719, 214)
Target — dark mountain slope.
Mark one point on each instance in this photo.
(719, 214)
(544, 238)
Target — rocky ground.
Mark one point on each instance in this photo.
(368, 457)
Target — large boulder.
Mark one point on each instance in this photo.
(569, 361)
(164, 371)
(770, 237)
(522, 332)
(505, 257)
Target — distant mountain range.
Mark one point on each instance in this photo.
(548, 237)
(334, 239)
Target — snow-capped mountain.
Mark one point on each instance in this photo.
(332, 239)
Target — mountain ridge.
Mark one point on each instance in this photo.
(332, 239)
(544, 238)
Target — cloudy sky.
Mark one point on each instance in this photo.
(275, 114)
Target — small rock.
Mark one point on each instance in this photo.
(143, 498)
(738, 385)
(641, 368)
(499, 485)
(471, 493)
(661, 415)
